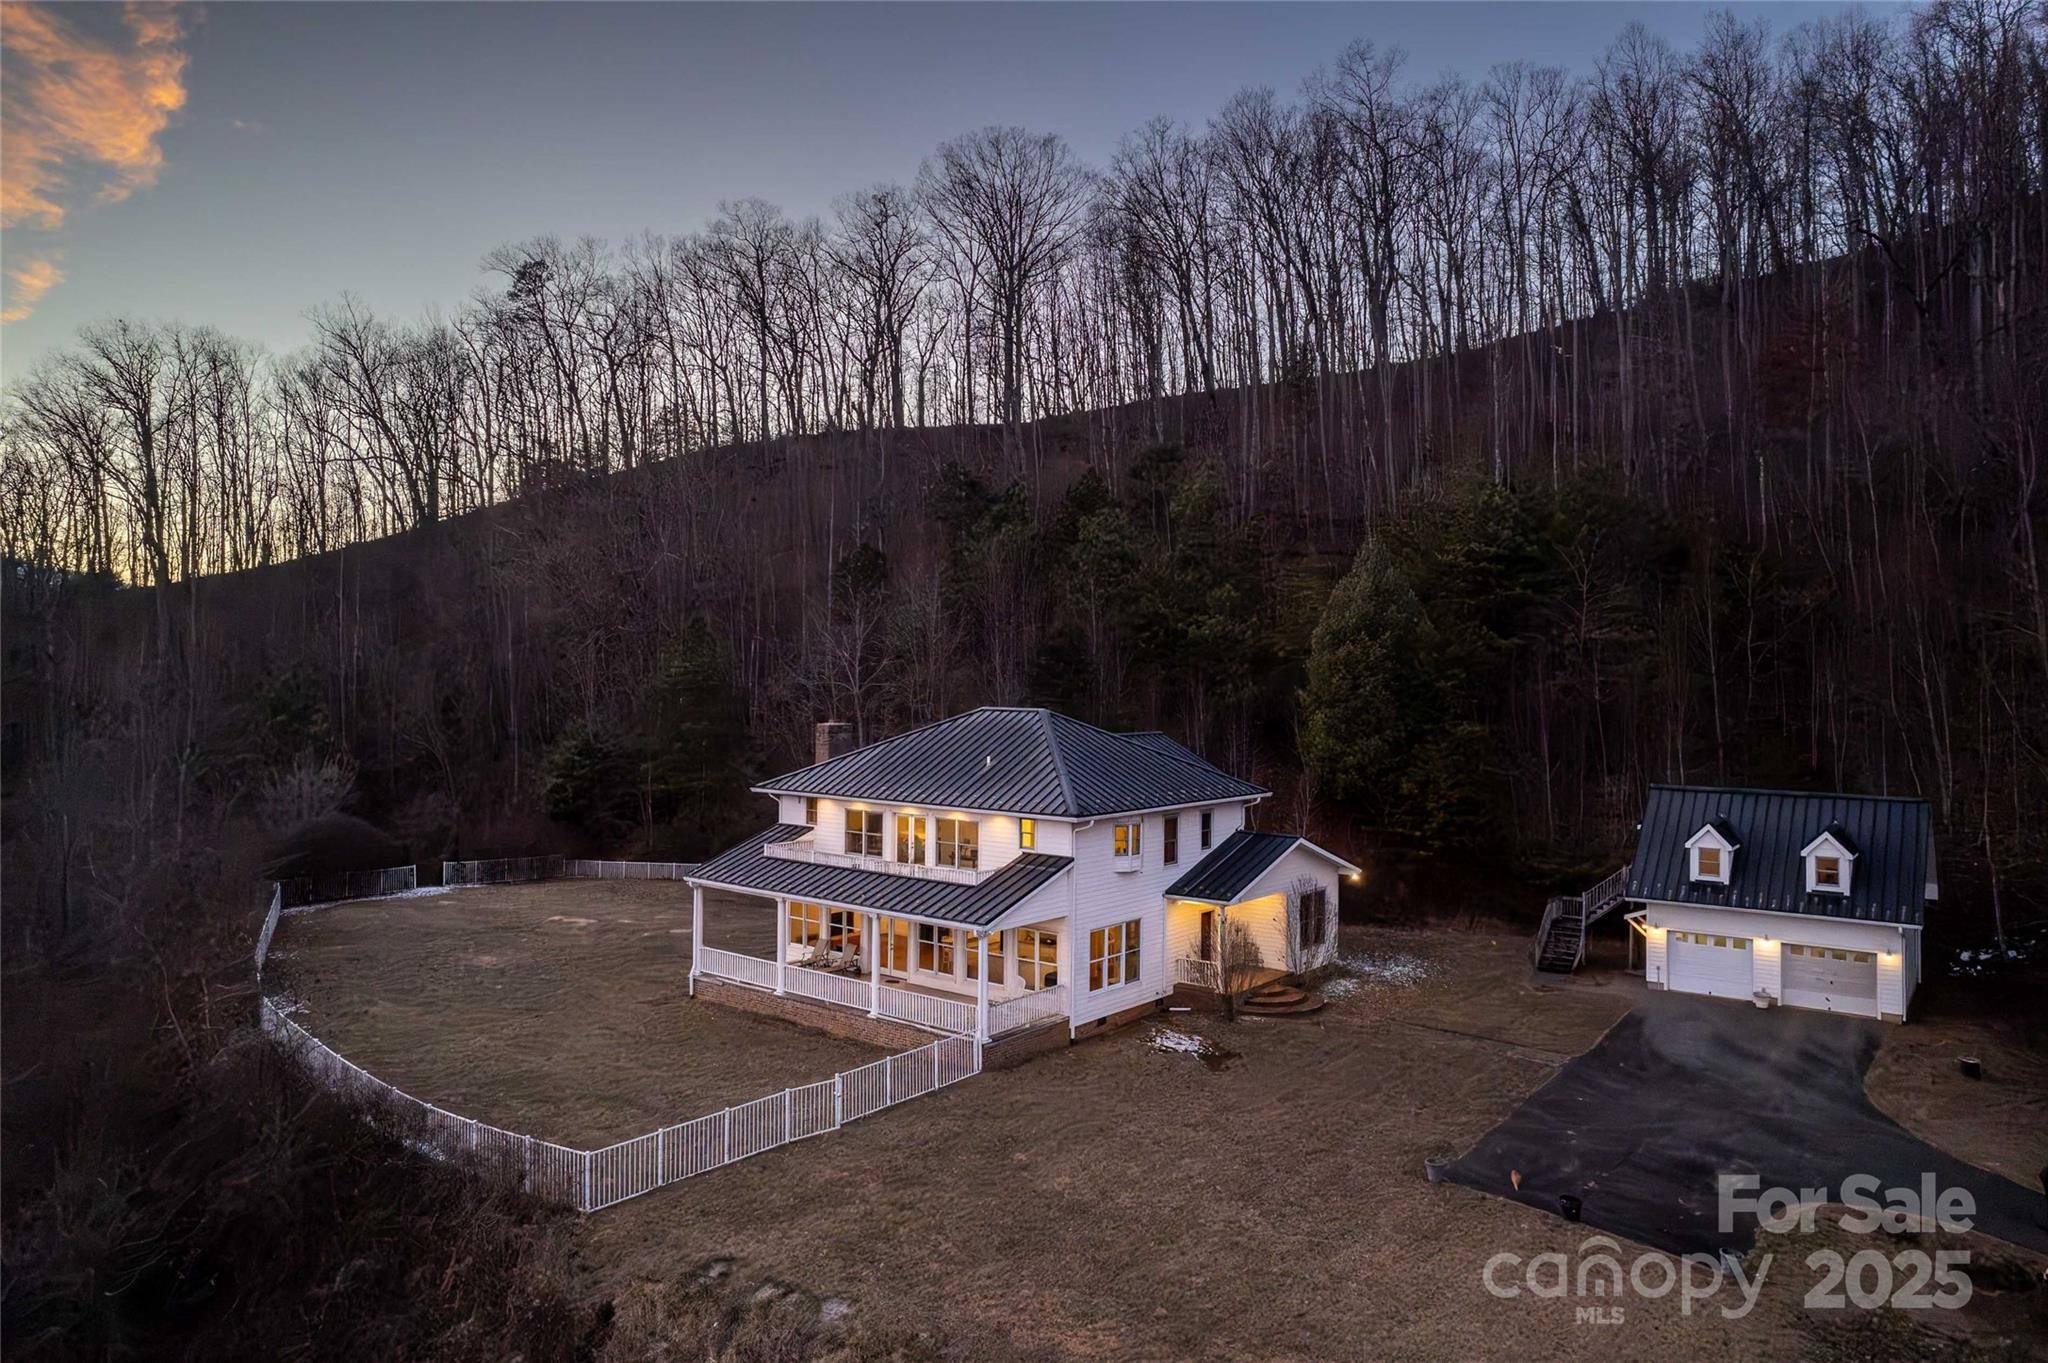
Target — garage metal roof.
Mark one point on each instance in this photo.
(1020, 761)
(1888, 882)
(746, 867)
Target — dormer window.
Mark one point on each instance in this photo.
(1830, 861)
(1712, 852)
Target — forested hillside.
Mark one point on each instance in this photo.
(1683, 422)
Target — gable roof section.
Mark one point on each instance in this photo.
(1893, 835)
(745, 868)
(1236, 862)
(1019, 761)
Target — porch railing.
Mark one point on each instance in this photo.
(802, 850)
(1200, 974)
(851, 990)
(928, 1010)
(733, 966)
(1027, 1010)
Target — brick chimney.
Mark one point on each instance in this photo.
(834, 737)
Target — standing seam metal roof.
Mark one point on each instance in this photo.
(746, 867)
(1887, 881)
(1236, 862)
(1019, 761)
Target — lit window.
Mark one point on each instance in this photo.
(864, 832)
(1027, 834)
(1038, 958)
(910, 838)
(806, 923)
(934, 949)
(959, 843)
(811, 810)
(1126, 840)
(1169, 841)
(1709, 864)
(995, 957)
(1113, 956)
(1827, 872)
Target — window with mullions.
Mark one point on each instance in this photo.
(959, 843)
(1113, 956)
(864, 832)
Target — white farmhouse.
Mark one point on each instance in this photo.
(1778, 897)
(1012, 869)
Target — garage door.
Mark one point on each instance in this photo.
(1709, 963)
(1832, 978)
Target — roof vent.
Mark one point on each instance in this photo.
(989, 763)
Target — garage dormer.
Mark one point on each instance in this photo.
(1830, 858)
(1712, 852)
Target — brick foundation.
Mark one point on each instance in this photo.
(824, 1017)
(1009, 1051)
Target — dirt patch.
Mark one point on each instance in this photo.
(561, 1009)
(1999, 1121)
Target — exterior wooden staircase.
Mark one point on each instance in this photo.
(1561, 941)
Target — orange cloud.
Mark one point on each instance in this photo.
(30, 280)
(82, 109)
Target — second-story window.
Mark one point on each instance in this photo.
(1124, 837)
(1169, 842)
(1208, 817)
(811, 810)
(959, 843)
(910, 838)
(864, 832)
(1027, 834)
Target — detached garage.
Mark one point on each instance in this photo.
(1784, 898)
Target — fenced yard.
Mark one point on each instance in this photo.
(559, 1011)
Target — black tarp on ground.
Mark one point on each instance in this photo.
(1685, 1089)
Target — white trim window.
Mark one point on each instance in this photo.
(910, 838)
(934, 949)
(1027, 835)
(864, 832)
(811, 810)
(1208, 828)
(1038, 958)
(1113, 956)
(1829, 865)
(1711, 856)
(995, 957)
(958, 844)
(1169, 839)
(1127, 844)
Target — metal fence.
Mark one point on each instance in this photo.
(299, 891)
(515, 870)
(576, 868)
(502, 871)
(590, 1180)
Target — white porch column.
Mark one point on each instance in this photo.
(875, 965)
(696, 935)
(781, 944)
(981, 988)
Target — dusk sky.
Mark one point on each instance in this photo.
(240, 165)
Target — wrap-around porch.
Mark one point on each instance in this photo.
(942, 976)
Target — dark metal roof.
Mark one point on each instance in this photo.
(1019, 761)
(1893, 839)
(1235, 862)
(747, 867)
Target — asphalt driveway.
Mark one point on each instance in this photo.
(1684, 1089)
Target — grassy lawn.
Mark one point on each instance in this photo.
(1121, 1199)
(560, 1010)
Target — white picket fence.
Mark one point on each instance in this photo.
(269, 928)
(590, 1180)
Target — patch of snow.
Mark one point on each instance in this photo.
(1368, 970)
(1179, 1043)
